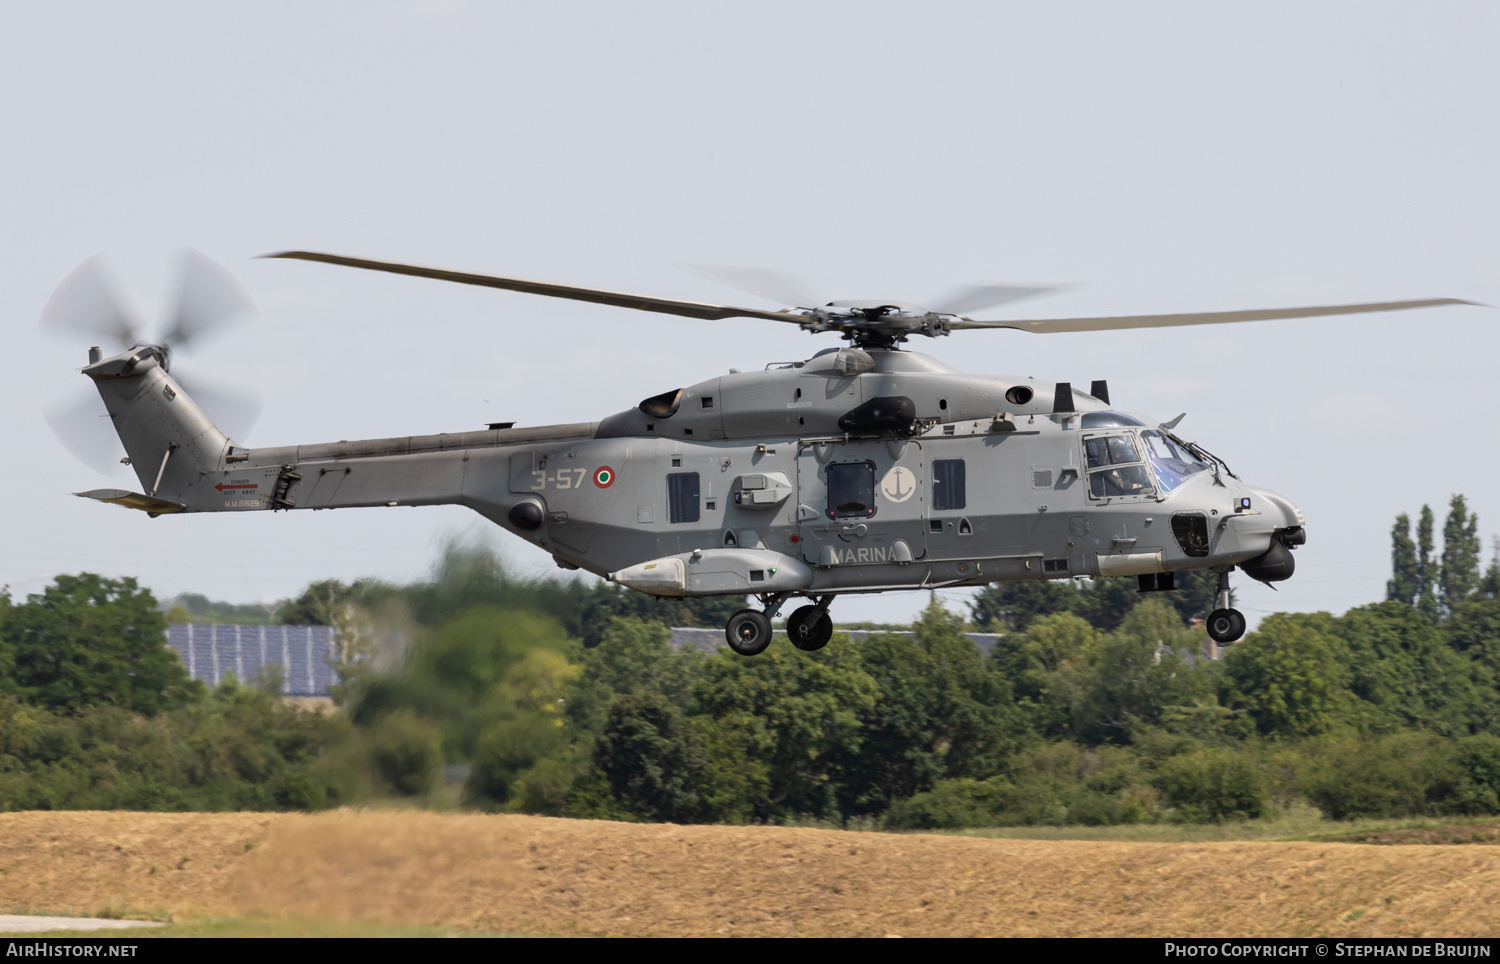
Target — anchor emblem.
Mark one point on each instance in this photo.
(899, 484)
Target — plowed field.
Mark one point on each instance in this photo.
(540, 875)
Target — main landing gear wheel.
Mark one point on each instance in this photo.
(809, 628)
(748, 632)
(1225, 625)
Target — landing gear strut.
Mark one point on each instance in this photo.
(810, 627)
(1224, 625)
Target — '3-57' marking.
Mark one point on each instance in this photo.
(561, 479)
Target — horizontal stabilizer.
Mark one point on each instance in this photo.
(133, 500)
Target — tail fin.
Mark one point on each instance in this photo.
(171, 442)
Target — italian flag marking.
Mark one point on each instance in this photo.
(604, 477)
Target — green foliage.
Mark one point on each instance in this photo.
(405, 752)
(89, 641)
(236, 749)
(952, 805)
(653, 761)
(797, 713)
(1053, 784)
(1292, 676)
(558, 696)
(632, 657)
(1410, 773)
(1478, 788)
(1214, 785)
(941, 713)
(1458, 576)
(1103, 603)
(606, 602)
(1405, 584)
(1131, 677)
(191, 607)
(1403, 672)
(1427, 600)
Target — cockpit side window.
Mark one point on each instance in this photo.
(1115, 467)
(1174, 464)
(1110, 450)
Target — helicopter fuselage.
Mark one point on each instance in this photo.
(853, 471)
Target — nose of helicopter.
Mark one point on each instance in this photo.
(1275, 525)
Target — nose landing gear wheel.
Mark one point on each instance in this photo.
(1225, 625)
(809, 628)
(748, 632)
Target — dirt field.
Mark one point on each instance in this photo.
(537, 875)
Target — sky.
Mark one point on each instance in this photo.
(1159, 157)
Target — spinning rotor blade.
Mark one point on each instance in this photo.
(1054, 325)
(82, 424)
(777, 286)
(232, 411)
(85, 302)
(670, 306)
(208, 298)
(961, 301)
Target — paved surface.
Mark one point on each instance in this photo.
(19, 924)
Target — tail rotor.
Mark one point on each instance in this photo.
(209, 301)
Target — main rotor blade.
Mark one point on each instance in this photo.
(777, 286)
(209, 297)
(1050, 326)
(619, 299)
(961, 301)
(84, 301)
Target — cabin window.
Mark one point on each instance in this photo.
(949, 491)
(851, 490)
(682, 497)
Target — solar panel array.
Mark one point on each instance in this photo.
(302, 654)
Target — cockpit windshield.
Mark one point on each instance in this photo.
(1174, 464)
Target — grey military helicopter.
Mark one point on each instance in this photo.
(865, 468)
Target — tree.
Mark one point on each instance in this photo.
(1405, 585)
(1426, 600)
(652, 760)
(1291, 675)
(90, 641)
(1012, 606)
(797, 714)
(941, 714)
(1031, 663)
(1103, 603)
(1131, 676)
(320, 604)
(1458, 575)
(1404, 671)
(608, 601)
(633, 658)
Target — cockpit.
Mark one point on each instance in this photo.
(1133, 460)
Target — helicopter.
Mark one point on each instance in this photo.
(864, 468)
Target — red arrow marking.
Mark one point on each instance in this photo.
(250, 485)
